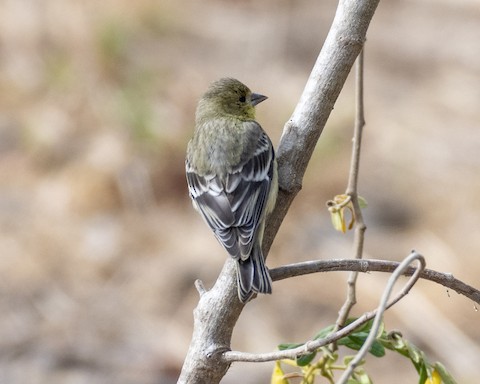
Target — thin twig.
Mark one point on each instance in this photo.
(352, 188)
(352, 191)
(200, 287)
(414, 256)
(313, 345)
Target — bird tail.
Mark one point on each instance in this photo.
(252, 275)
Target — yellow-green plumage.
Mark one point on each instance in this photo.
(232, 177)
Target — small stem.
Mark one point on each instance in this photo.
(352, 191)
(359, 124)
(200, 287)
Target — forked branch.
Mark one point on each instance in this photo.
(219, 308)
(313, 345)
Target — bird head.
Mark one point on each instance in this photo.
(229, 96)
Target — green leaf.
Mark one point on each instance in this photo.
(422, 373)
(324, 332)
(415, 354)
(366, 327)
(377, 349)
(351, 342)
(306, 359)
(356, 341)
(285, 346)
(302, 360)
(362, 202)
(444, 374)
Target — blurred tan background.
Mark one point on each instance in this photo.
(99, 245)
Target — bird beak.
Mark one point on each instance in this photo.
(257, 98)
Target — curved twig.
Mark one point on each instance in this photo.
(414, 256)
(370, 265)
(313, 345)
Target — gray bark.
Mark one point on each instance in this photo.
(218, 309)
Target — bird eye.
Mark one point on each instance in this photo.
(242, 99)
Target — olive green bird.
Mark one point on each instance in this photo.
(232, 178)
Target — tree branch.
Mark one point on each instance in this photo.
(300, 134)
(313, 345)
(308, 267)
(219, 308)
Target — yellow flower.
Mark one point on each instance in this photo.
(278, 376)
(435, 379)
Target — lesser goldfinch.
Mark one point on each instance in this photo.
(232, 178)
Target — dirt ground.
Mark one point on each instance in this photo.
(99, 245)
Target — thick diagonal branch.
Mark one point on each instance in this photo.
(219, 308)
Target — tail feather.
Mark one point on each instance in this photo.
(253, 276)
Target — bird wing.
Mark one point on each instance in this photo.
(233, 206)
